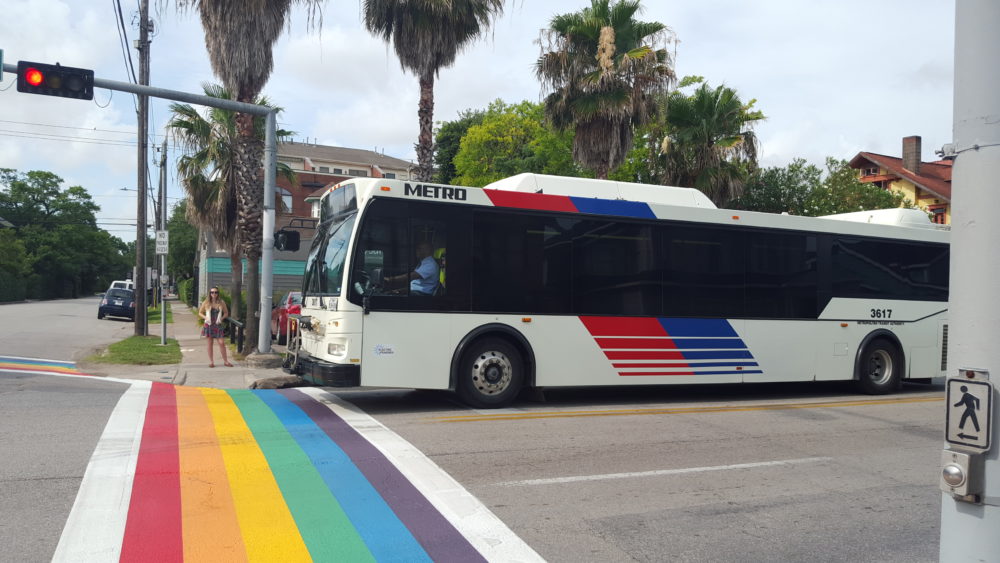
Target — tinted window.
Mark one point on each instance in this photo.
(703, 271)
(889, 269)
(616, 269)
(522, 263)
(781, 275)
(120, 293)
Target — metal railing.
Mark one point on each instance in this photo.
(236, 333)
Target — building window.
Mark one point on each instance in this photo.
(338, 171)
(389, 175)
(357, 172)
(938, 213)
(286, 200)
(870, 171)
(324, 169)
(315, 209)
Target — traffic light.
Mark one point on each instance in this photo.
(286, 240)
(55, 80)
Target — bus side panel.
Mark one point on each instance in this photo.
(408, 350)
(800, 350)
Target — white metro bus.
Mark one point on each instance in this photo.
(543, 281)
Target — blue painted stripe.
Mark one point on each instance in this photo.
(386, 537)
(616, 207)
(696, 343)
(727, 372)
(722, 364)
(698, 327)
(717, 355)
(28, 361)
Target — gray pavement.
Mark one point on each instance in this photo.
(193, 369)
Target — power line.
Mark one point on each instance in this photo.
(65, 139)
(123, 131)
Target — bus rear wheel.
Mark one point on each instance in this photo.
(881, 368)
(490, 374)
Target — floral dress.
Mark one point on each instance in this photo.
(215, 329)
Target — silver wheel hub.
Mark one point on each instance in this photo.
(491, 372)
(880, 366)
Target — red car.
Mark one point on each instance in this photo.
(290, 302)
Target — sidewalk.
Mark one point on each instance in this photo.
(193, 369)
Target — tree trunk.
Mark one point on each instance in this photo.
(250, 195)
(425, 142)
(236, 283)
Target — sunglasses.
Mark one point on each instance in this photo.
(214, 292)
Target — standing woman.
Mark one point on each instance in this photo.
(214, 311)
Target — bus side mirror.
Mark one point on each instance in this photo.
(287, 240)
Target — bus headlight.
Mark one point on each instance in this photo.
(335, 349)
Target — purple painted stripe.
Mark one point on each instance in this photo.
(430, 528)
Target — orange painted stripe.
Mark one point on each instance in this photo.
(41, 369)
(210, 526)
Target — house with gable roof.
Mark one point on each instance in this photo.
(925, 184)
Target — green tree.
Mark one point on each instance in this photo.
(843, 192)
(447, 141)
(210, 175)
(183, 243)
(15, 266)
(603, 70)
(512, 139)
(710, 144)
(239, 37)
(427, 36)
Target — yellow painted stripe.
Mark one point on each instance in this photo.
(208, 516)
(269, 531)
(39, 367)
(690, 410)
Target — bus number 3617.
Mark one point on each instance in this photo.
(881, 313)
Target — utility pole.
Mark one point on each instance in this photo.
(163, 257)
(969, 523)
(142, 45)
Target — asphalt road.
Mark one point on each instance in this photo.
(63, 329)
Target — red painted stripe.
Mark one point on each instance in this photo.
(153, 528)
(644, 355)
(657, 365)
(656, 373)
(623, 326)
(637, 343)
(543, 202)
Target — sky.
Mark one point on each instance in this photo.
(833, 78)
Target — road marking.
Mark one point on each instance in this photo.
(660, 472)
(490, 536)
(484, 417)
(96, 524)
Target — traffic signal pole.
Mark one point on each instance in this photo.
(140, 206)
(969, 526)
(270, 173)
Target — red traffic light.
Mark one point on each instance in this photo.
(33, 76)
(55, 80)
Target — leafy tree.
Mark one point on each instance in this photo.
(15, 266)
(427, 36)
(209, 173)
(710, 143)
(512, 139)
(604, 70)
(239, 37)
(448, 140)
(183, 243)
(56, 236)
(805, 189)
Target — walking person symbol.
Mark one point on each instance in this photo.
(971, 403)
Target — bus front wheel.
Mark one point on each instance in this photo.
(881, 368)
(491, 373)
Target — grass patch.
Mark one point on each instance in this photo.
(140, 351)
(153, 315)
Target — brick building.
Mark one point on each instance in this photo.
(925, 184)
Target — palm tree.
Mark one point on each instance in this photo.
(239, 37)
(603, 69)
(710, 143)
(427, 35)
(208, 174)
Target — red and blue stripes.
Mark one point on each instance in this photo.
(648, 346)
(571, 204)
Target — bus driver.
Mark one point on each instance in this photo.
(424, 279)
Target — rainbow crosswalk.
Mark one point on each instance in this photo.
(195, 474)
(33, 365)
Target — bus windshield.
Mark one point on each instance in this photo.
(325, 265)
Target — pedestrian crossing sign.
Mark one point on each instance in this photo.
(967, 419)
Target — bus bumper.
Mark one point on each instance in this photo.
(327, 374)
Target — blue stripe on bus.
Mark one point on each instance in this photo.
(727, 372)
(694, 343)
(617, 207)
(383, 533)
(698, 327)
(717, 355)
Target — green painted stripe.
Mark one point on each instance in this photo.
(278, 267)
(325, 528)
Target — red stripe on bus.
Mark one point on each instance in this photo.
(153, 528)
(658, 365)
(624, 374)
(643, 355)
(637, 343)
(542, 202)
(623, 326)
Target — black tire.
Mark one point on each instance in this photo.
(100, 316)
(490, 374)
(880, 369)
